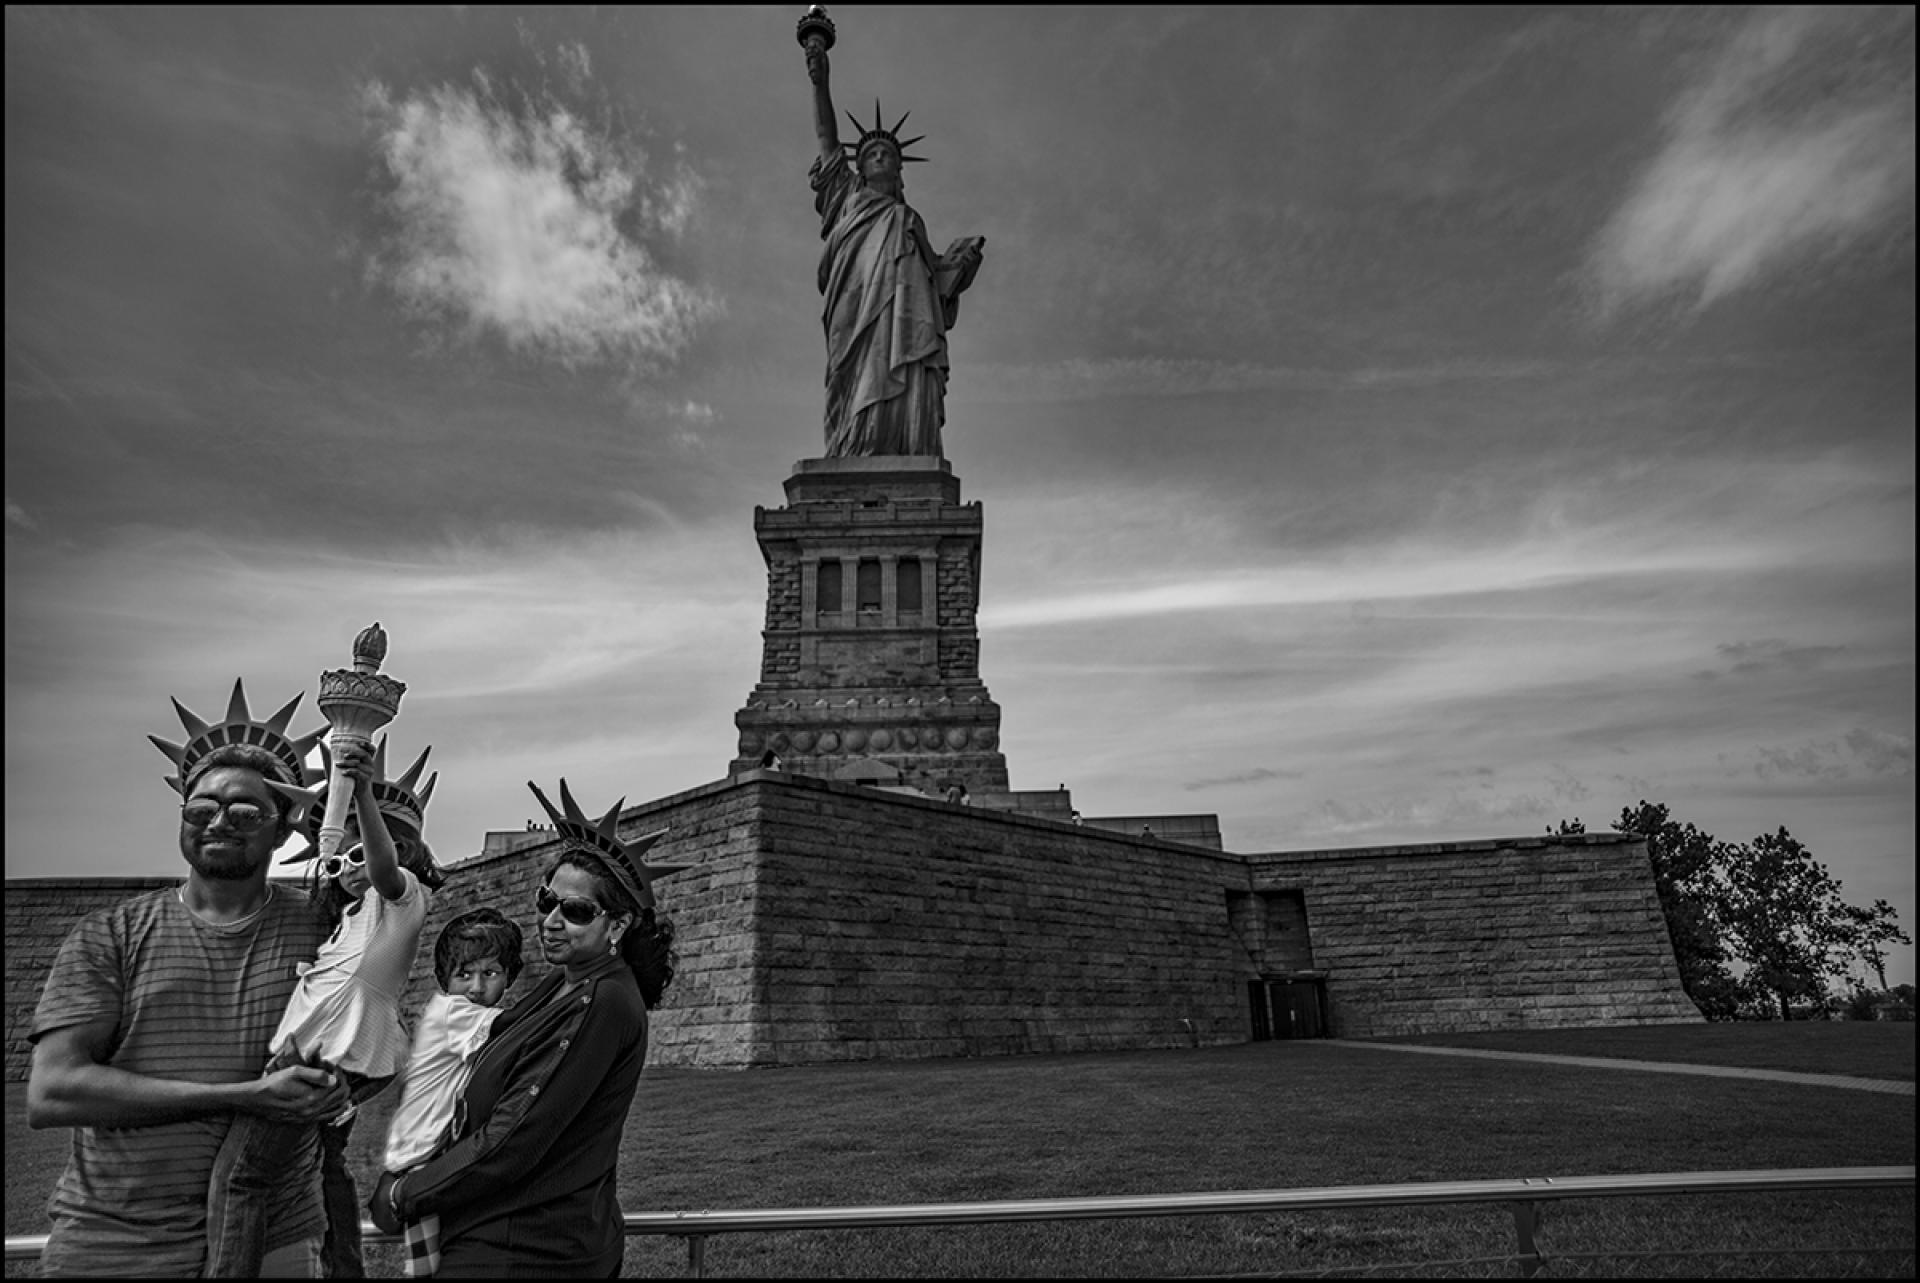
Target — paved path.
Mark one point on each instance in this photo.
(1891, 1087)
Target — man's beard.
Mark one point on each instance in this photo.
(220, 866)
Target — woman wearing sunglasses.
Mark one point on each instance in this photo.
(526, 1187)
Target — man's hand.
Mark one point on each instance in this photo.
(299, 1094)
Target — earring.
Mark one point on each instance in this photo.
(613, 946)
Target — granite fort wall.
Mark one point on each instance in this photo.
(827, 921)
(1508, 933)
(895, 927)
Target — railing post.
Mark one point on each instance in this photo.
(1527, 1219)
(696, 1255)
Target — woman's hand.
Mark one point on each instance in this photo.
(380, 1205)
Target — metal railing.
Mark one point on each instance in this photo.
(1526, 1198)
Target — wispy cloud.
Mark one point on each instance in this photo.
(531, 225)
(1406, 574)
(1770, 654)
(1796, 144)
(1861, 751)
(1082, 379)
(1487, 811)
(1258, 775)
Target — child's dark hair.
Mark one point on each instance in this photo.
(483, 933)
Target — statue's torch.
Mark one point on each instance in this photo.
(816, 29)
(356, 702)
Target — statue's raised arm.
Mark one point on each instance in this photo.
(816, 37)
(889, 299)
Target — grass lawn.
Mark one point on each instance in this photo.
(1861, 1048)
(1260, 1116)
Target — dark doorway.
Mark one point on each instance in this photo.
(1288, 1007)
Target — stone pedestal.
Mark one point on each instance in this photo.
(871, 667)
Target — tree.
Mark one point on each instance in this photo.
(1686, 876)
(1874, 929)
(1784, 919)
(1766, 909)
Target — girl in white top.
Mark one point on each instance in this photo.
(476, 957)
(344, 1013)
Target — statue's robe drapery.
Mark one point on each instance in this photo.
(885, 318)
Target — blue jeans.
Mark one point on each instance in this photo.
(251, 1165)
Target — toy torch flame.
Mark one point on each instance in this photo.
(356, 702)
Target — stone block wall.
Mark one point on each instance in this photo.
(1506, 933)
(955, 586)
(828, 921)
(959, 657)
(783, 593)
(1272, 928)
(892, 927)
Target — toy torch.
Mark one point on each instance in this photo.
(356, 702)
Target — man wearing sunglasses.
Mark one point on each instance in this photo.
(148, 1035)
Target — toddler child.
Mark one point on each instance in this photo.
(476, 957)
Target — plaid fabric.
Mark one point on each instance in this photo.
(422, 1238)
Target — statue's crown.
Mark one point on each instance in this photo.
(602, 838)
(880, 133)
(239, 727)
(289, 754)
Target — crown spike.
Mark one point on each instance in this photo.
(642, 844)
(895, 131)
(426, 794)
(552, 814)
(195, 727)
(911, 141)
(412, 776)
(608, 825)
(380, 758)
(278, 722)
(304, 747)
(857, 125)
(574, 814)
(237, 710)
(303, 799)
(178, 752)
(655, 871)
(878, 128)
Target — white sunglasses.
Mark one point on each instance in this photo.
(353, 858)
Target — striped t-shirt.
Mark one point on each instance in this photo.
(189, 1001)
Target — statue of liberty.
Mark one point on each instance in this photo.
(889, 299)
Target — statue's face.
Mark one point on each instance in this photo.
(880, 164)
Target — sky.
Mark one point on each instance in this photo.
(1392, 425)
